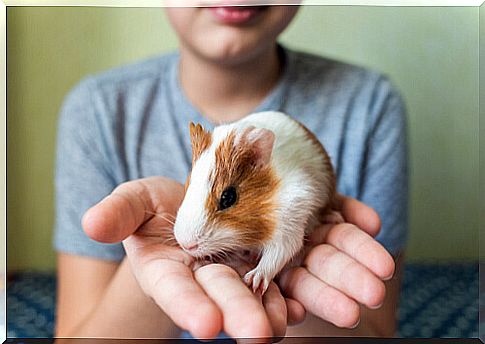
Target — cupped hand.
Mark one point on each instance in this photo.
(344, 267)
(214, 298)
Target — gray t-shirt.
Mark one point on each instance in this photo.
(132, 122)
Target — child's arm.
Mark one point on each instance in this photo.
(102, 299)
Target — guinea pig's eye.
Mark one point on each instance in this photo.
(228, 198)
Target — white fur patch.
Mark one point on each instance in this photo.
(192, 216)
(298, 163)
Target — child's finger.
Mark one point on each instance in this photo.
(115, 217)
(319, 298)
(183, 300)
(296, 312)
(275, 306)
(243, 314)
(343, 273)
(363, 248)
(131, 204)
(359, 214)
(319, 234)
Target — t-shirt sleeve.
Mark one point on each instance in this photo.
(385, 182)
(83, 175)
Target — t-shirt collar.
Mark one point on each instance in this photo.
(274, 101)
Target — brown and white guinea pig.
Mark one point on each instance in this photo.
(257, 185)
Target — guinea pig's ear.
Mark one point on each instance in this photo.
(261, 142)
(200, 140)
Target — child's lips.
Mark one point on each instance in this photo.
(236, 14)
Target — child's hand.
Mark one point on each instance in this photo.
(212, 299)
(344, 267)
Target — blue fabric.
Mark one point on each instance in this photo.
(440, 301)
(132, 122)
(31, 305)
(436, 301)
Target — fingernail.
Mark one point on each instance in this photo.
(388, 277)
(356, 324)
(376, 307)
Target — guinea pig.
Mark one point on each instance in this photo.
(257, 185)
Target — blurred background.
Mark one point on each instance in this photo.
(431, 55)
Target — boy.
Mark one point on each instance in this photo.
(132, 123)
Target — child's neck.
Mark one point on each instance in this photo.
(226, 93)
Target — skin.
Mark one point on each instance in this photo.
(160, 285)
(225, 72)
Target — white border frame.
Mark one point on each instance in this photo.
(139, 3)
(190, 3)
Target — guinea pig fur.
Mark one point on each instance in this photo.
(257, 185)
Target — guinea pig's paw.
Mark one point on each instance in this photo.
(256, 280)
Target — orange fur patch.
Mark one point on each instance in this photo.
(253, 214)
(200, 140)
(187, 183)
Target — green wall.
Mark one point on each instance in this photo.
(430, 53)
(482, 134)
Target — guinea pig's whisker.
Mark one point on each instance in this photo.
(231, 246)
(170, 216)
(165, 234)
(166, 230)
(221, 256)
(166, 219)
(162, 216)
(226, 251)
(169, 238)
(169, 242)
(210, 232)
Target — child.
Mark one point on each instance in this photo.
(132, 123)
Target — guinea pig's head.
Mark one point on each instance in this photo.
(229, 201)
